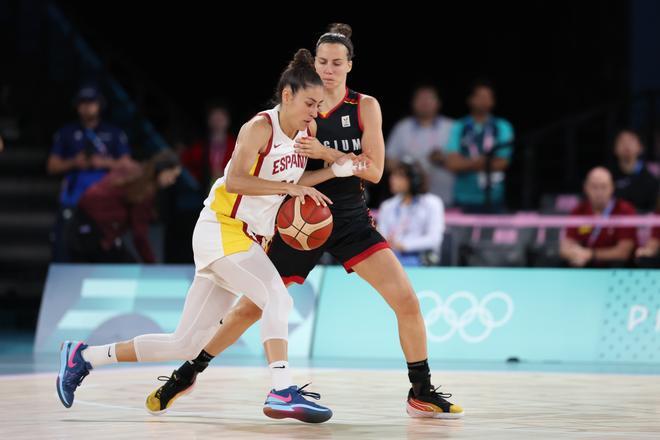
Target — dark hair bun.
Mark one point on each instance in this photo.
(299, 74)
(303, 59)
(341, 28)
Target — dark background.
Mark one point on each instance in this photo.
(547, 59)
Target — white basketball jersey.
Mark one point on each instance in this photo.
(279, 162)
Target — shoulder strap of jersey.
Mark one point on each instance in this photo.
(352, 97)
(269, 118)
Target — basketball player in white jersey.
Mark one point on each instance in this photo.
(349, 123)
(239, 212)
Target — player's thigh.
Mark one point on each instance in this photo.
(292, 265)
(251, 273)
(384, 273)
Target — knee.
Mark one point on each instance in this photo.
(405, 302)
(247, 311)
(279, 305)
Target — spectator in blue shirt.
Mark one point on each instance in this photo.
(83, 152)
(472, 140)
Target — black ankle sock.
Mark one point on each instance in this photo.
(420, 376)
(189, 369)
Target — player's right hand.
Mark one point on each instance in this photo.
(302, 191)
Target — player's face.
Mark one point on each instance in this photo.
(332, 64)
(89, 109)
(303, 107)
(399, 183)
(482, 100)
(167, 177)
(627, 147)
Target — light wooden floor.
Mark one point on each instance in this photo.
(367, 404)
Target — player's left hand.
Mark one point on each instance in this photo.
(310, 147)
(363, 163)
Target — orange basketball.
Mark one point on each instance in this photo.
(304, 227)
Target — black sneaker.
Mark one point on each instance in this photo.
(175, 386)
(432, 404)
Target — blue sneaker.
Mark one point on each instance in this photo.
(73, 369)
(291, 403)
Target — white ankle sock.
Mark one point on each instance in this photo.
(280, 375)
(98, 355)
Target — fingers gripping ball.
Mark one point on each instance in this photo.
(304, 227)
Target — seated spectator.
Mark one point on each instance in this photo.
(83, 152)
(413, 220)
(423, 137)
(475, 140)
(649, 254)
(632, 180)
(121, 201)
(598, 246)
(207, 158)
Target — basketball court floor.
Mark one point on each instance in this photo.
(512, 403)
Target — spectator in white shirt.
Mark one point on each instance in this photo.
(413, 221)
(423, 137)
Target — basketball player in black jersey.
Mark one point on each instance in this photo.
(348, 123)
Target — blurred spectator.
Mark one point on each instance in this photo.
(413, 220)
(122, 200)
(632, 180)
(595, 245)
(423, 137)
(473, 140)
(83, 152)
(207, 158)
(649, 255)
(2, 144)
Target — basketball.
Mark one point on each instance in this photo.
(304, 226)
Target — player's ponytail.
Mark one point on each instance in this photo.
(339, 33)
(299, 74)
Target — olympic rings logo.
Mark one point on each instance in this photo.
(476, 310)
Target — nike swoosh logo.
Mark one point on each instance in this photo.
(109, 352)
(280, 367)
(275, 146)
(71, 364)
(286, 399)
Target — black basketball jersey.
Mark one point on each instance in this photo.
(341, 129)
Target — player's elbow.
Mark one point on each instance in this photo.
(374, 176)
